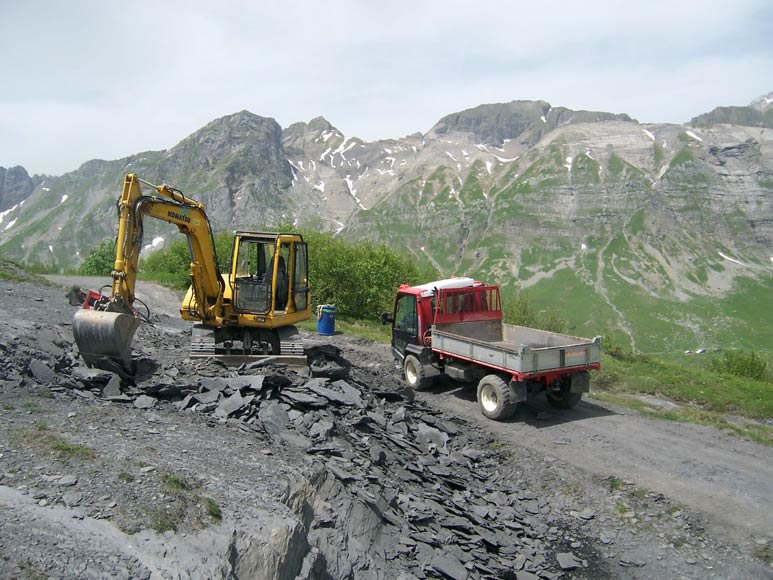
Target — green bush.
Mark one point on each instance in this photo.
(172, 265)
(360, 279)
(741, 364)
(100, 261)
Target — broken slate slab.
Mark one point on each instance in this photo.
(67, 481)
(449, 566)
(297, 398)
(338, 392)
(144, 402)
(92, 375)
(321, 430)
(568, 561)
(232, 404)
(72, 499)
(428, 436)
(41, 371)
(254, 382)
(274, 417)
(206, 397)
(213, 383)
(113, 387)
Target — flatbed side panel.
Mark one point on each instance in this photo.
(477, 351)
(566, 351)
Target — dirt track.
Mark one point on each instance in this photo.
(627, 496)
(726, 479)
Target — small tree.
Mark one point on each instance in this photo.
(100, 261)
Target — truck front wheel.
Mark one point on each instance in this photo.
(414, 373)
(495, 398)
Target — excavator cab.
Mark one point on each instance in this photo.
(269, 277)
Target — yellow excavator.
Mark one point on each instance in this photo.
(246, 314)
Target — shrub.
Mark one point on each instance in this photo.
(742, 364)
(100, 261)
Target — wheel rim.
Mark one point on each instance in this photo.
(488, 398)
(410, 373)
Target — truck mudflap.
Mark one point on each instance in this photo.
(580, 382)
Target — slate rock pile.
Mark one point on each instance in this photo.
(436, 503)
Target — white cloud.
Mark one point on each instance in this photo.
(107, 80)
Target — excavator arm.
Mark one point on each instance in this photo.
(104, 334)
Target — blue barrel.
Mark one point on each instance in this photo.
(326, 319)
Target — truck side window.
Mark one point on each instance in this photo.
(405, 314)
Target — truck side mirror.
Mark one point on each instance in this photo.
(387, 318)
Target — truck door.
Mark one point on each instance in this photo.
(406, 324)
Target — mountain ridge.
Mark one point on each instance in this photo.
(532, 196)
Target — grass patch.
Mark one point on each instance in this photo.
(615, 484)
(751, 430)
(39, 437)
(212, 509)
(174, 483)
(125, 477)
(30, 407)
(699, 387)
(372, 330)
(188, 508)
(30, 571)
(764, 553)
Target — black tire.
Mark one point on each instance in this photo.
(563, 399)
(414, 374)
(494, 398)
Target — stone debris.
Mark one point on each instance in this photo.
(450, 511)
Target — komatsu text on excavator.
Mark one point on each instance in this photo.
(245, 314)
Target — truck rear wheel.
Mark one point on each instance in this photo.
(494, 398)
(414, 373)
(564, 398)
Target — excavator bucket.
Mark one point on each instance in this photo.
(104, 339)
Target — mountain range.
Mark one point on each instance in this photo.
(660, 235)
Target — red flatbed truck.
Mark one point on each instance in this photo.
(454, 328)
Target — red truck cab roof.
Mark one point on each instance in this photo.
(429, 288)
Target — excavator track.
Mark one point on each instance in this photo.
(226, 345)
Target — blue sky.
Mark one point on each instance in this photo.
(82, 80)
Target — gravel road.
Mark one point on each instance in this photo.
(283, 476)
(727, 480)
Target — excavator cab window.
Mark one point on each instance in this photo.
(301, 277)
(252, 283)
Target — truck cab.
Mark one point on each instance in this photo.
(414, 314)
